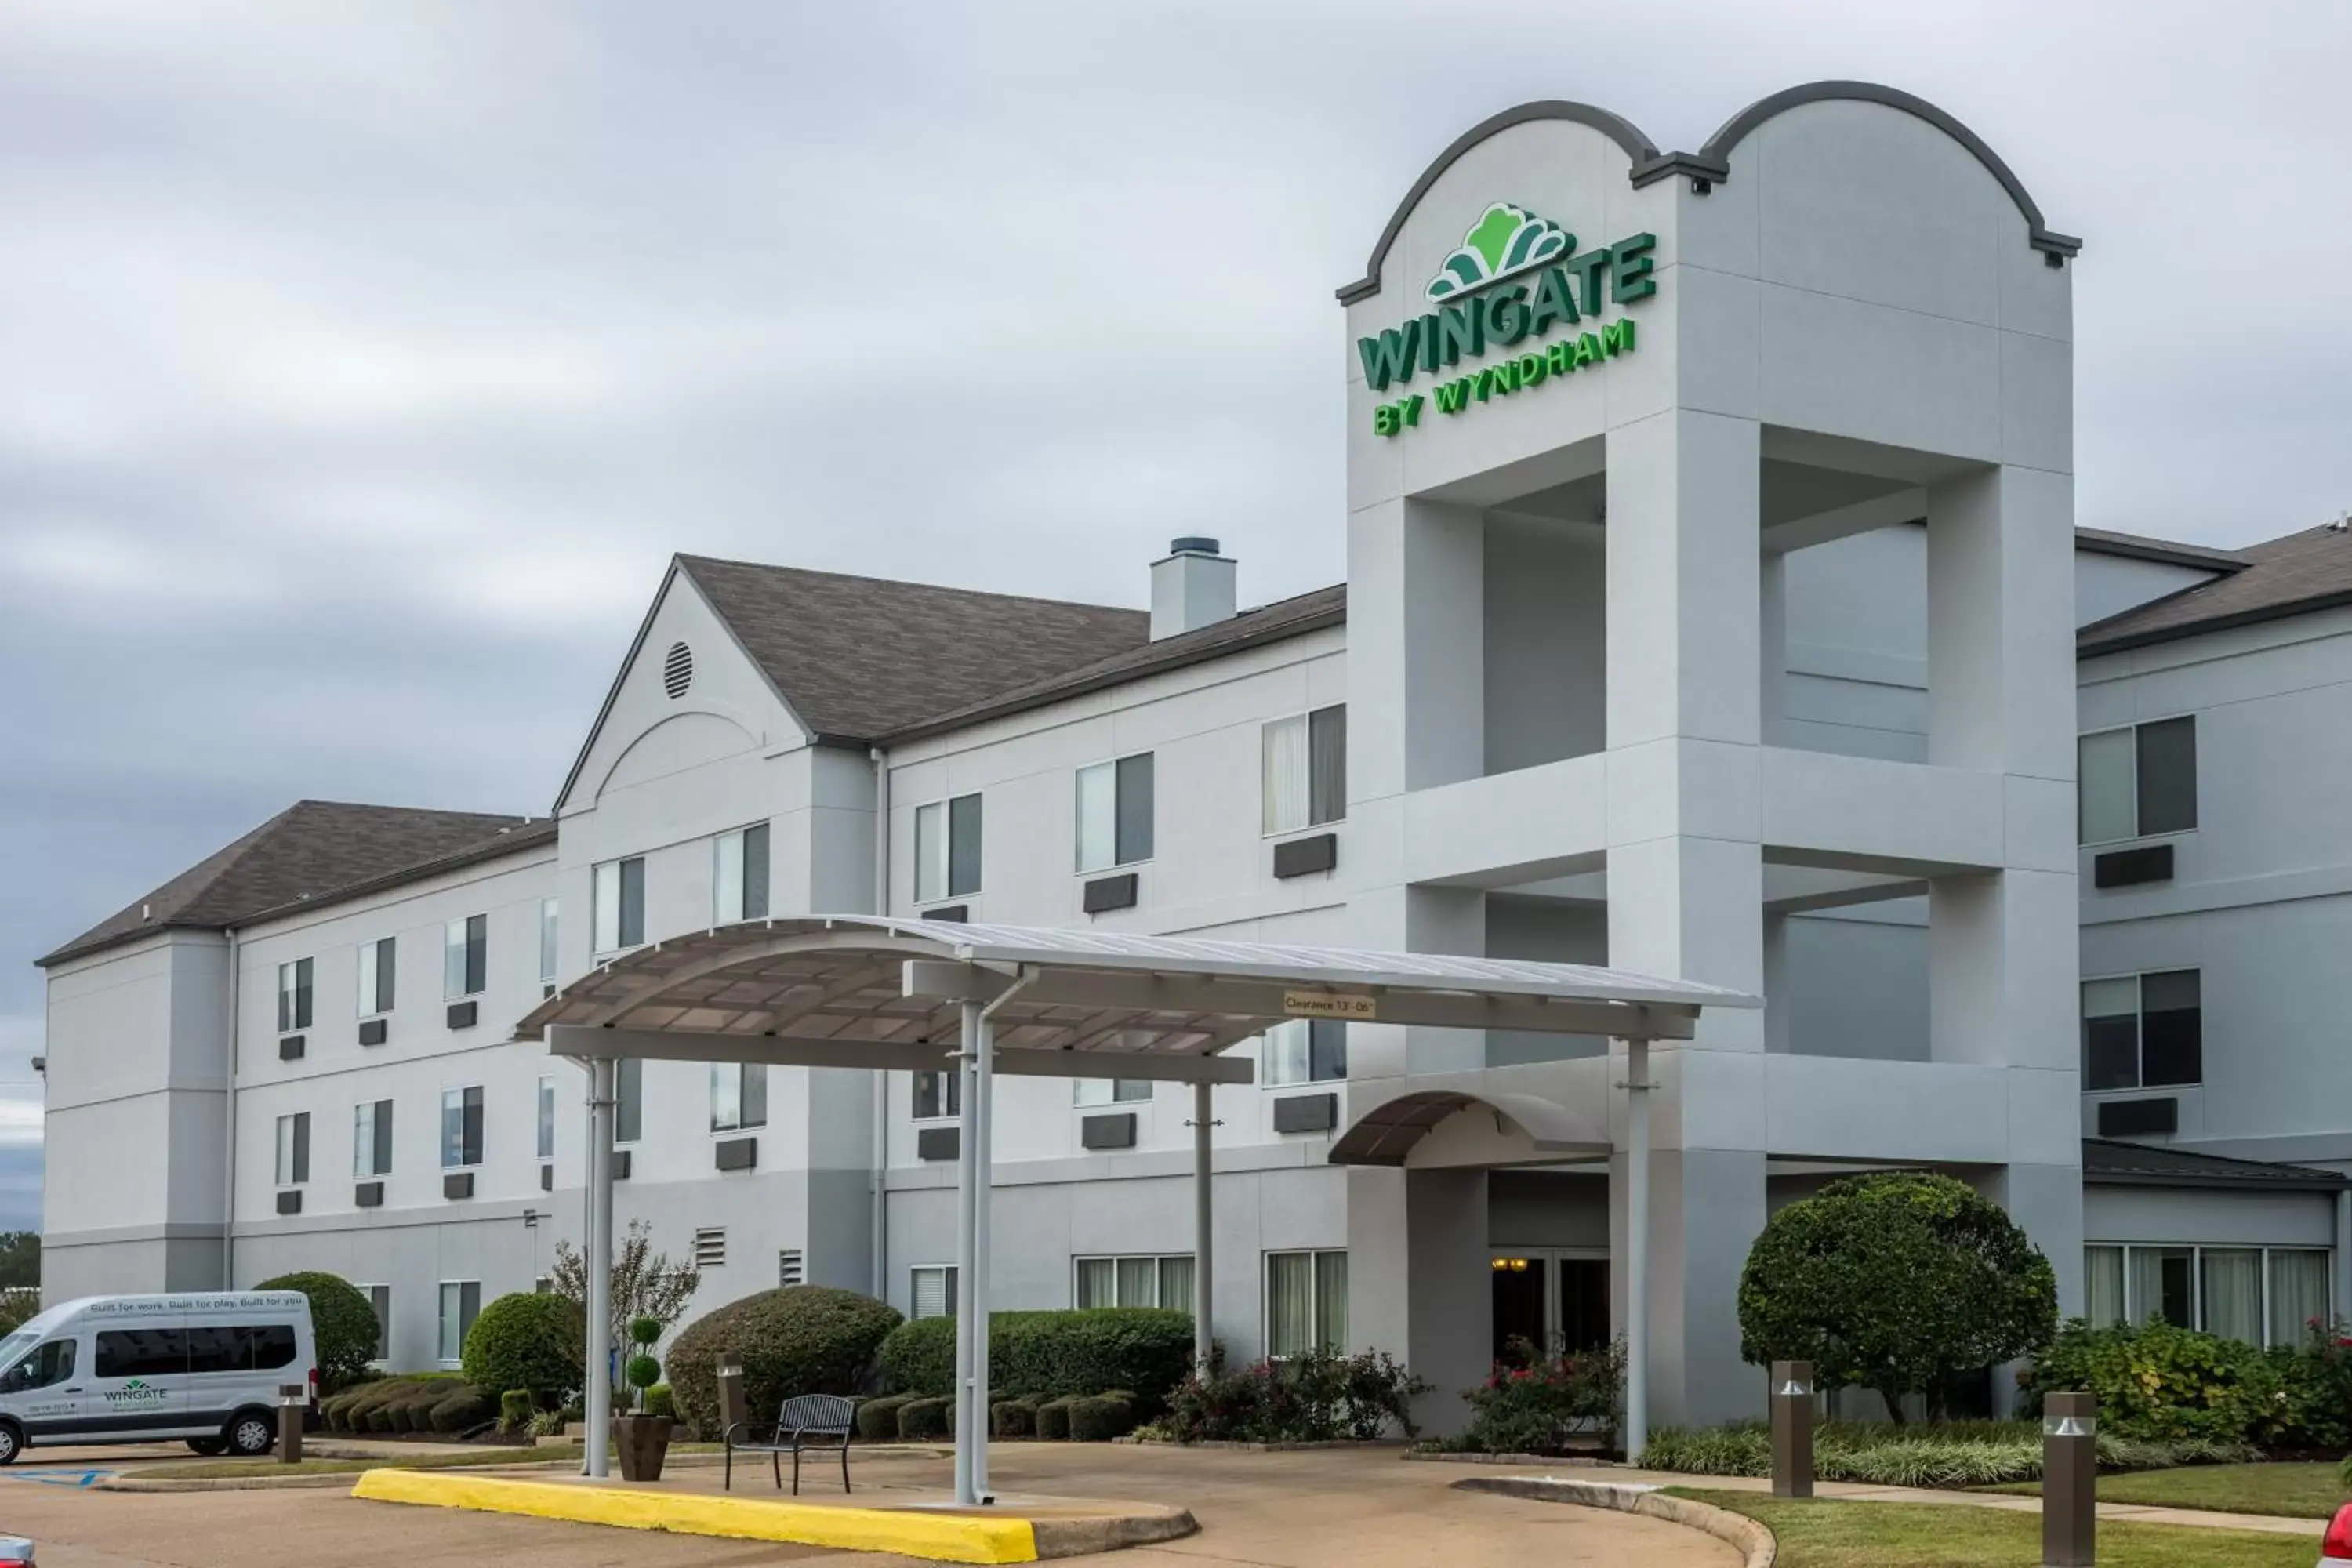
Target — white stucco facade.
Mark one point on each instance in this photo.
(1744, 653)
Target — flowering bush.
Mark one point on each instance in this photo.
(1535, 1407)
(1313, 1397)
(2162, 1382)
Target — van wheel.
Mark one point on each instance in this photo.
(250, 1434)
(11, 1442)
(208, 1445)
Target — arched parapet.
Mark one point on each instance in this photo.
(1512, 1128)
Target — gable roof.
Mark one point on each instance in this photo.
(312, 850)
(2109, 1164)
(858, 658)
(2302, 572)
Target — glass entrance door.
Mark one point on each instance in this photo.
(1548, 1302)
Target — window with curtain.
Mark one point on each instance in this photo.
(931, 1290)
(1109, 1090)
(375, 977)
(937, 1095)
(2298, 1294)
(372, 1138)
(739, 1095)
(466, 957)
(461, 1304)
(547, 1118)
(2230, 1291)
(1305, 1050)
(617, 904)
(947, 849)
(2143, 1030)
(1306, 1301)
(1138, 1281)
(739, 875)
(628, 1100)
(294, 1149)
(293, 995)
(2103, 1286)
(1306, 770)
(2162, 1281)
(1115, 813)
(2137, 781)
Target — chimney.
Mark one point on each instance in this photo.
(1193, 588)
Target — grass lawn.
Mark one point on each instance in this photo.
(215, 1469)
(2292, 1490)
(1827, 1533)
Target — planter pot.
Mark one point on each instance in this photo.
(643, 1442)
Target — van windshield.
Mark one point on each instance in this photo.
(14, 1347)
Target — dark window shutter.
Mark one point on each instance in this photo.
(2172, 1028)
(384, 953)
(632, 903)
(963, 846)
(1327, 1048)
(473, 1134)
(477, 953)
(1327, 765)
(1133, 833)
(755, 872)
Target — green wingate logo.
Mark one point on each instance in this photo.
(1504, 239)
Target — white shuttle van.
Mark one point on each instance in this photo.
(118, 1369)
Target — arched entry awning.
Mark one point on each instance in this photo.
(857, 991)
(1388, 1133)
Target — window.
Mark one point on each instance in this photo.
(1109, 1090)
(619, 902)
(466, 957)
(372, 1138)
(1115, 813)
(294, 1149)
(380, 1297)
(739, 1095)
(461, 1304)
(710, 1248)
(1163, 1281)
(141, 1353)
(628, 1100)
(461, 1128)
(2137, 781)
(1306, 1302)
(49, 1364)
(739, 879)
(2142, 1031)
(1305, 1050)
(947, 849)
(375, 977)
(293, 995)
(932, 1291)
(547, 934)
(1306, 770)
(937, 1095)
(547, 1118)
(2259, 1295)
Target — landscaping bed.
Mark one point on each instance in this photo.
(2288, 1489)
(1831, 1533)
(1947, 1453)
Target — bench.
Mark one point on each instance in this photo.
(808, 1421)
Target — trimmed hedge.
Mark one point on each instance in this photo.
(1047, 1355)
(515, 1409)
(466, 1408)
(922, 1420)
(1099, 1419)
(526, 1339)
(1946, 1454)
(660, 1402)
(342, 1325)
(1054, 1419)
(878, 1419)
(1012, 1418)
(805, 1339)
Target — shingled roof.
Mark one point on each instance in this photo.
(312, 850)
(858, 658)
(2109, 1164)
(2290, 576)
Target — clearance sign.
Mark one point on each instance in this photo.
(1479, 310)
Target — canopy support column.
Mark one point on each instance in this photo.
(1203, 1271)
(601, 1078)
(1637, 1249)
(983, 1127)
(967, 1212)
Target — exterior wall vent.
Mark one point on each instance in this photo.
(710, 1248)
(789, 1271)
(678, 670)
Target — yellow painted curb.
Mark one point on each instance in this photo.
(944, 1537)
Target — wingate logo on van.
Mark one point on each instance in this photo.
(135, 1392)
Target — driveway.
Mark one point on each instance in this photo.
(1334, 1508)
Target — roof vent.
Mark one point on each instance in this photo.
(2340, 524)
(1193, 588)
(678, 670)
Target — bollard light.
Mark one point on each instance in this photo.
(293, 1404)
(733, 1411)
(2070, 1479)
(1793, 1428)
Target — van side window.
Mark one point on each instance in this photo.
(52, 1362)
(220, 1350)
(272, 1346)
(142, 1353)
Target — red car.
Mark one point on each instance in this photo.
(2338, 1546)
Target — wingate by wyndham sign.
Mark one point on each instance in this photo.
(1480, 310)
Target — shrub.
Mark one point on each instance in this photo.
(1099, 1420)
(1308, 1398)
(1898, 1281)
(659, 1401)
(529, 1341)
(515, 1407)
(924, 1420)
(342, 1325)
(467, 1406)
(1951, 1454)
(1044, 1355)
(1537, 1408)
(1054, 1419)
(878, 1419)
(2166, 1382)
(804, 1338)
(1012, 1418)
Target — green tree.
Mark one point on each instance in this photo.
(646, 1283)
(20, 1259)
(1897, 1283)
(528, 1341)
(343, 1320)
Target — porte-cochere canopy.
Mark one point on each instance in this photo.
(860, 991)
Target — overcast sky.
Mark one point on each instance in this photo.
(361, 362)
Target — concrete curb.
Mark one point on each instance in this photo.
(1756, 1544)
(1547, 1462)
(222, 1483)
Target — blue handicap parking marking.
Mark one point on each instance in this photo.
(78, 1480)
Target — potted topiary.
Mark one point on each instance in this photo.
(642, 1437)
